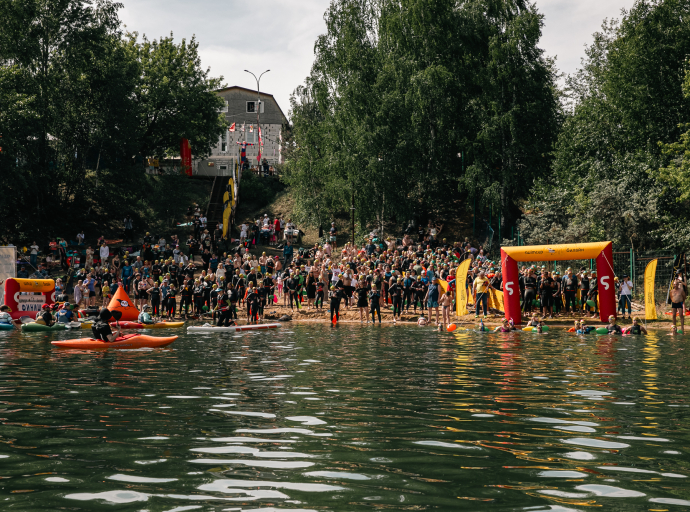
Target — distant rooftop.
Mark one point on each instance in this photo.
(263, 94)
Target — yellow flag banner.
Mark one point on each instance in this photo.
(461, 289)
(231, 190)
(649, 303)
(443, 285)
(226, 220)
(496, 299)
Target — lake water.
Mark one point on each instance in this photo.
(311, 417)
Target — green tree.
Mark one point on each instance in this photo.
(399, 89)
(82, 104)
(517, 110)
(625, 100)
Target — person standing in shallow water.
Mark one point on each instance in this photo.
(678, 297)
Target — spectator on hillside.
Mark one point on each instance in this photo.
(33, 256)
(129, 228)
(104, 253)
(288, 252)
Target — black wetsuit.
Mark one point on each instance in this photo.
(101, 330)
(530, 293)
(570, 291)
(584, 292)
(374, 297)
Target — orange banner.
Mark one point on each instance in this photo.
(35, 285)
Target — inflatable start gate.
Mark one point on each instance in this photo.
(28, 303)
(602, 251)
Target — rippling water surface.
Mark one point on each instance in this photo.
(311, 417)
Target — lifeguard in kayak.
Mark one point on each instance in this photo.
(101, 329)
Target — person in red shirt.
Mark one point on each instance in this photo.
(276, 224)
(53, 248)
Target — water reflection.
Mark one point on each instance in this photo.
(348, 418)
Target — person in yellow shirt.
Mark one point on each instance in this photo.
(481, 287)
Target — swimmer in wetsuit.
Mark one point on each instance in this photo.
(636, 328)
(613, 327)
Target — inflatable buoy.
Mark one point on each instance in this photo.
(122, 302)
(572, 329)
(544, 328)
(602, 330)
(451, 327)
(529, 328)
(591, 303)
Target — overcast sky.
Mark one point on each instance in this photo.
(279, 34)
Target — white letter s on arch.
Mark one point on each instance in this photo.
(509, 286)
(604, 282)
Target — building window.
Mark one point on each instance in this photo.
(251, 137)
(223, 147)
(251, 107)
(225, 108)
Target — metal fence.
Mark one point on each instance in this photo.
(485, 236)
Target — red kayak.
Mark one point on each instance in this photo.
(128, 341)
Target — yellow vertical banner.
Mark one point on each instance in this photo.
(226, 220)
(496, 299)
(443, 285)
(649, 302)
(461, 289)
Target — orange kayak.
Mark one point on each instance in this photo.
(128, 341)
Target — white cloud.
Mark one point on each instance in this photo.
(569, 25)
(279, 35)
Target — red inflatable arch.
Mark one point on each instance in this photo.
(602, 251)
(22, 295)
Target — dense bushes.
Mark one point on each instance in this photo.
(257, 192)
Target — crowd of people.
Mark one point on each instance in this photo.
(198, 278)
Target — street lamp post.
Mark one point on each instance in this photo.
(258, 106)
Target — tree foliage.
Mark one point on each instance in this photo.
(400, 89)
(82, 105)
(607, 181)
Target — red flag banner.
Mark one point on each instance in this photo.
(232, 127)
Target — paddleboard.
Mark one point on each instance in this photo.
(157, 325)
(232, 328)
(128, 341)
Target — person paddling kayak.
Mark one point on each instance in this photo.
(101, 329)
